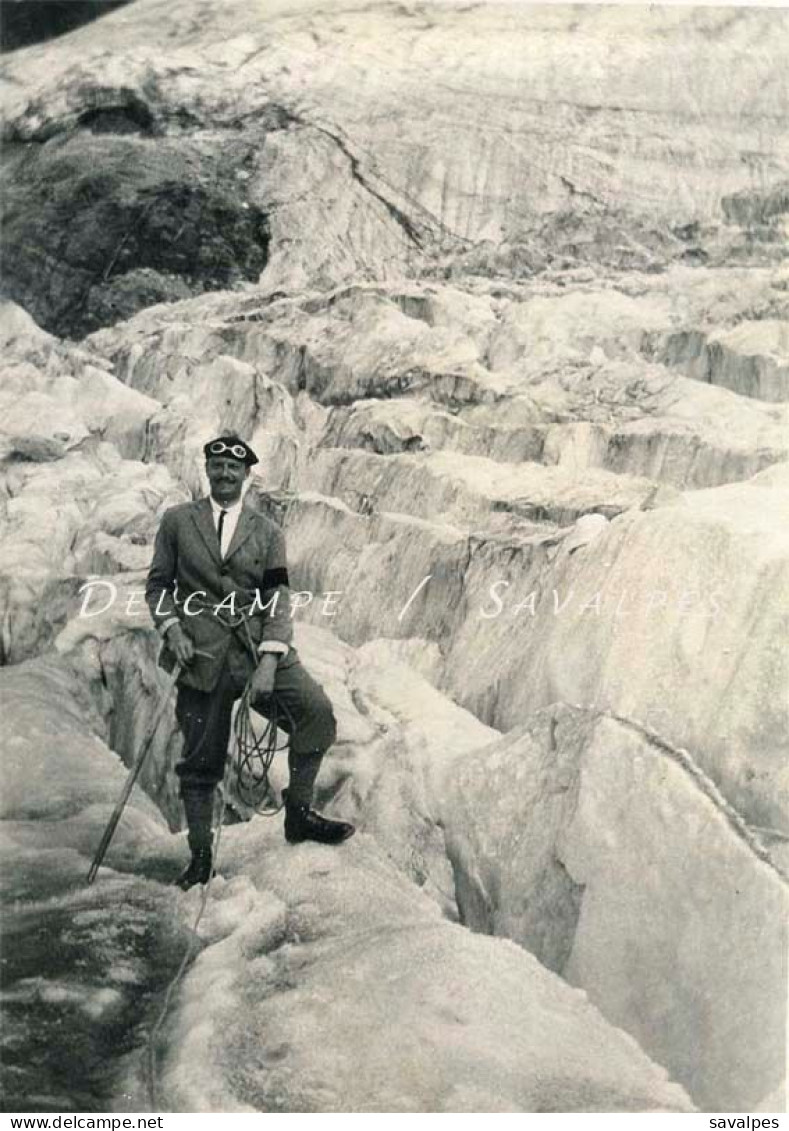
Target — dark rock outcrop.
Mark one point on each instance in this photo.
(98, 225)
(35, 21)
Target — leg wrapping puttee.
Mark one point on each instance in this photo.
(303, 772)
(199, 810)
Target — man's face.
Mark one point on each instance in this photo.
(226, 477)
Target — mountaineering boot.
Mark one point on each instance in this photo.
(199, 870)
(303, 823)
(199, 809)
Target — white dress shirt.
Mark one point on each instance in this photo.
(230, 523)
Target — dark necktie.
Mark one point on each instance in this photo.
(222, 517)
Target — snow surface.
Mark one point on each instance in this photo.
(612, 857)
(331, 984)
(327, 980)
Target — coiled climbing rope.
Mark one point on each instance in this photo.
(253, 755)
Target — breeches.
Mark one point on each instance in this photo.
(205, 718)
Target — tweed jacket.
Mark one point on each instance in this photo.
(228, 607)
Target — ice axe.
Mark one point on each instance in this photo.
(133, 774)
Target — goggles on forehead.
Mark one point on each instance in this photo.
(220, 448)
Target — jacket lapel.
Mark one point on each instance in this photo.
(204, 521)
(243, 529)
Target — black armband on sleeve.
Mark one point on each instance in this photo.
(274, 577)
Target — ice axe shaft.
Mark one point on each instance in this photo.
(131, 778)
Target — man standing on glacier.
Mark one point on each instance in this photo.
(218, 593)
